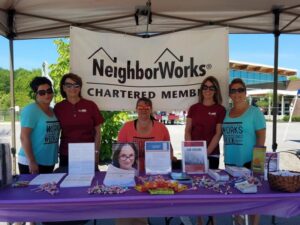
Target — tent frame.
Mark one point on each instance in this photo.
(11, 34)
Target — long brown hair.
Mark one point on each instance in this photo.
(217, 96)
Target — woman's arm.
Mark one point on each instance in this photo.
(215, 140)
(188, 130)
(260, 137)
(97, 143)
(26, 144)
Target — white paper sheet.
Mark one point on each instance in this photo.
(157, 157)
(77, 180)
(81, 165)
(119, 177)
(81, 158)
(47, 178)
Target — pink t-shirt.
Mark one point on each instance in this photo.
(128, 133)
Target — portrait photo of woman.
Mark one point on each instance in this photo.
(125, 156)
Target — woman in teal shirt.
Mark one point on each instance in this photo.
(39, 131)
(243, 128)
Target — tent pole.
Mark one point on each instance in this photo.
(11, 35)
(276, 32)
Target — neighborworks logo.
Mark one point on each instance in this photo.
(163, 70)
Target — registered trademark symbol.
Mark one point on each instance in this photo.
(208, 66)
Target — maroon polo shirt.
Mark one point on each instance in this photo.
(77, 122)
(204, 122)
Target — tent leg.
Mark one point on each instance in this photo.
(276, 32)
(11, 15)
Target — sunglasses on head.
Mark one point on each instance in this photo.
(237, 90)
(70, 85)
(211, 88)
(143, 107)
(44, 92)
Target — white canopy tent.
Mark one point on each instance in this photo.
(29, 19)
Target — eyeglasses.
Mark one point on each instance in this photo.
(211, 88)
(125, 157)
(237, 90)
(143, 107)
(44, 92)
(70, 85)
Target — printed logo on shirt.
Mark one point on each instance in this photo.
(82, 110)
(212, 113)
(52, 132)
(233, 133)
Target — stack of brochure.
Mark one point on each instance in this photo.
(218, 175)
(236, 171)
(181, 177)
(246, 187)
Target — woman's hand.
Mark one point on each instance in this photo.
(33, 168)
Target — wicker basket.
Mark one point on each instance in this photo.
(284, 183)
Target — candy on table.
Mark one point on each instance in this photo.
(50, 188)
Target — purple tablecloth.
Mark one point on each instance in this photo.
(23, 204)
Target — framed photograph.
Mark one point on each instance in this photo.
(124, 166)
(125, 156)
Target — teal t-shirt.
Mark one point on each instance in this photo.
(240, 135)
(44, 135)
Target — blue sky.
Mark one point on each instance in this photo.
(257, 48)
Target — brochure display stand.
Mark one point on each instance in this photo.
(158, 157)
(81, 165)
(194, 157)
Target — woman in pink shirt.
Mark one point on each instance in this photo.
(144, 128)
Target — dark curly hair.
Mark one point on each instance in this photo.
(37, 81)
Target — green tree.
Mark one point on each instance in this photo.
(22, 90)
(293, 78)
(4, 90)
(113, 120)
(4, 78)
(62, 66)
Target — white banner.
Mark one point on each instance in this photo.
(118, 69)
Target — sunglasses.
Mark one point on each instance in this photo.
(211, 88)
(70, 85)
(44, 92)
(237, 90)
(143, 107)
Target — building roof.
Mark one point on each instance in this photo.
(247, 66)
(258, 92)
